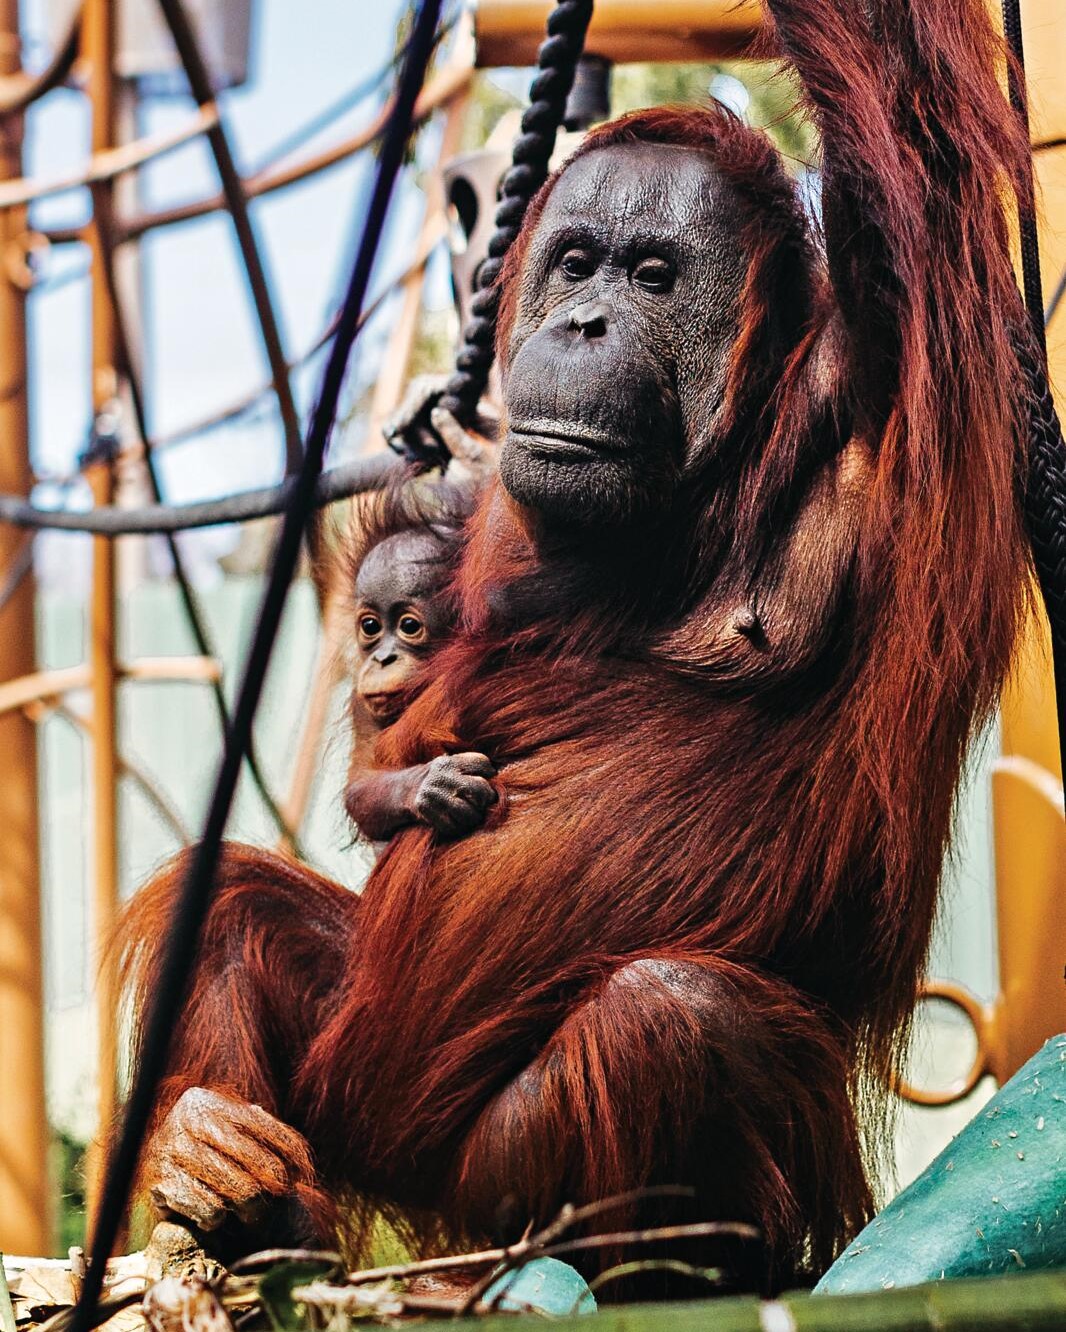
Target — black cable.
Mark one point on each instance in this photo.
(192, 61)
(556, 62)
(104, 225)
(195, 898)
(352, 478)
(1044, 499)
(348, 101)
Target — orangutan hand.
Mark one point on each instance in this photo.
(455, 794)
(215, 1156)
(419, 418)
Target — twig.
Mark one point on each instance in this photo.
(253, 1261)
(569, 1216)
(712, 1275)
(695, 1230)
(573, 1216)
(546, 1243)
(347, 1298)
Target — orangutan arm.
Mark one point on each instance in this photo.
(769, 628)
(451, 794)
(917, 151)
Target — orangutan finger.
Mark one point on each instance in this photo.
(474, 764)
(179, 1194)
(239, 1129)
(441, 810)
(242, 1185)
(459, 442)
(476, 791)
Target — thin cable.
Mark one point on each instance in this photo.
(347, 101)
(196, 892)
(194, 615)
(22, 562)
(235, 410)
(53, 74)
(1056, 299)
(441, 91)
(17, 570)
(233, 189)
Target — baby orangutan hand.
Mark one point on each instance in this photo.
(421, 422)
(215, 1156)
(455, 794)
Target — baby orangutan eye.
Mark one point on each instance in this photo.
(411, 627)
(369, 626)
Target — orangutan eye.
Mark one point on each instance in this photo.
(369, 626)
(577, 264)
(412, 627)
(654, 274)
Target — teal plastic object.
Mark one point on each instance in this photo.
(543, 1286)
(993, 1201)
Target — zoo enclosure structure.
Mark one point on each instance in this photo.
(508, 31)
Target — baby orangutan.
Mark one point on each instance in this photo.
(401, 563)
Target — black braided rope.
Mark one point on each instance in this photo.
(1045, 482)
(1045, 511)
(556, 62)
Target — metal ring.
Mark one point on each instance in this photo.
(978, 1016)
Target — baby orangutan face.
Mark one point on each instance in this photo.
(400, 614)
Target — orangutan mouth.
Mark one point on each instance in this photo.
(562, 439)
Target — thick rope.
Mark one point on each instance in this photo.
(556, 62)
(340, 482)
(197, 887)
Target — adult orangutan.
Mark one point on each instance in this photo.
(752, 574)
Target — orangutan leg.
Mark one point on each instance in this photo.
(692, 1071)
(225, 1156)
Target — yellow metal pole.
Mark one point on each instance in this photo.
(98, 45)
(509, 31)
(24, 1194)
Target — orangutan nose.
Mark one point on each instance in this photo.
(590, 319)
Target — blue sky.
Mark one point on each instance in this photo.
(202, 346)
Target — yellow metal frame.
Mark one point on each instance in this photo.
(509, 31)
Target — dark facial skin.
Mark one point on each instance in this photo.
(400, 614)
(626, 317)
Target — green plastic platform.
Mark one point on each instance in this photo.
(993, 1201)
